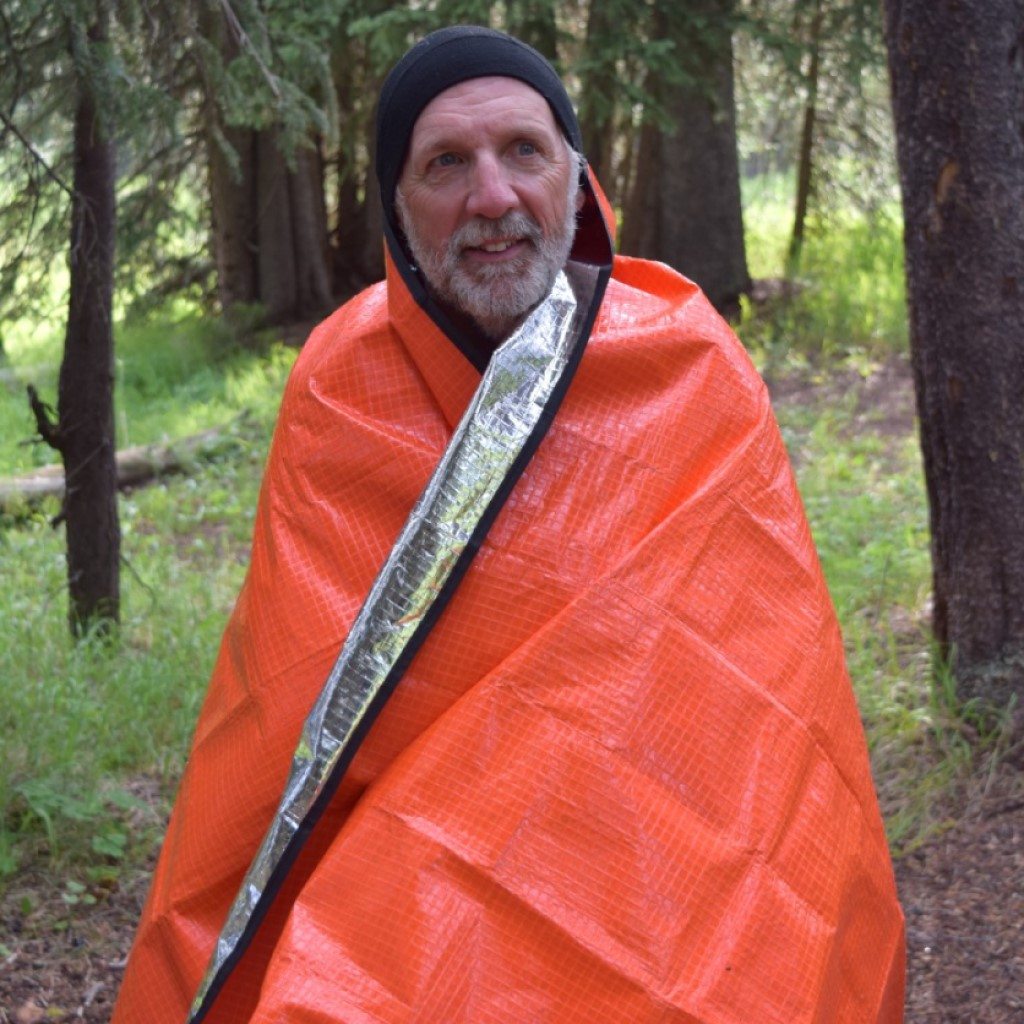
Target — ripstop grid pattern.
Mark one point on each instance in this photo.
(623, 780)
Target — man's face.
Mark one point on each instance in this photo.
(487, 199)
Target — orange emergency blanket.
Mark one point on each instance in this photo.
(623, 780)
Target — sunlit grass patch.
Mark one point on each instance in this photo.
(176, 374)
(767, 221)
(848, 292)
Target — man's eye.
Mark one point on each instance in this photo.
(446, 160)
(525, 149)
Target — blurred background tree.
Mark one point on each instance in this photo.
(245, 132)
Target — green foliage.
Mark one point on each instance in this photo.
(854, 159)
(158, 79)
(83, 726)
(135, 78)
(850, 296)
(267, 65)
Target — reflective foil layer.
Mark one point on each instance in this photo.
(516, 389)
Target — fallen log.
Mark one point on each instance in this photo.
(136, 465)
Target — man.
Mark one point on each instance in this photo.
(588, 752)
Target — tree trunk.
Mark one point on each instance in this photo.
(533, 21)
(269, 227)
(318, 168)
(268, 220)
(85, 432)
(599, 92)
(359, 237)
(233, 214)
(371, 255)
(804, 160)
(347, 237)
(278, 281)
(686, 209)
(958, 97)
(309, 235)
(624, 176)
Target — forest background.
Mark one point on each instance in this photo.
(186, 187)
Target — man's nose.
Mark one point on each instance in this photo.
(491, 193)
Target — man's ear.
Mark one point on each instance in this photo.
(580, 199)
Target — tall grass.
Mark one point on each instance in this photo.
(83, 726)
(848, 289)
(864, 496)
(80, 721)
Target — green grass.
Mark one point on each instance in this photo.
(850, 293)
(864, 494)
(85, 726)
(865, 500)
(177, 373)
(78, 721)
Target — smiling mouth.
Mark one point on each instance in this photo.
(496, 248)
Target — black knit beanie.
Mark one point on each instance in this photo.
(443, 59)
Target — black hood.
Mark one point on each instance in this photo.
(436, 63)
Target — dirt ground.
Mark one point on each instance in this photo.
(963, 895)
(962, 891)
(64, 963)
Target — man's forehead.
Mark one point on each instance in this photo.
(503, 96)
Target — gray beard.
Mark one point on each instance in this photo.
(498, 296)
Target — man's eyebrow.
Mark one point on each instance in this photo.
(440, 140)
(445, 138)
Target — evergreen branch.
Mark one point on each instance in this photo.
(35, 154)
(247, 43)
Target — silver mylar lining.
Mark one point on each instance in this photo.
(520, 380)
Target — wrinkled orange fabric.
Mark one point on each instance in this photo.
(623, 780)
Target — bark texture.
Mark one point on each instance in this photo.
(685, 208)
(358, 248)
(269, 227)
(598, 94)
(268, 219)
(233, 214)
(805, 162)
(958, 96)
(371, 251)
(85, 431)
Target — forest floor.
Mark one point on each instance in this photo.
(63, 949)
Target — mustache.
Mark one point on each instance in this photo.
(514, 224)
